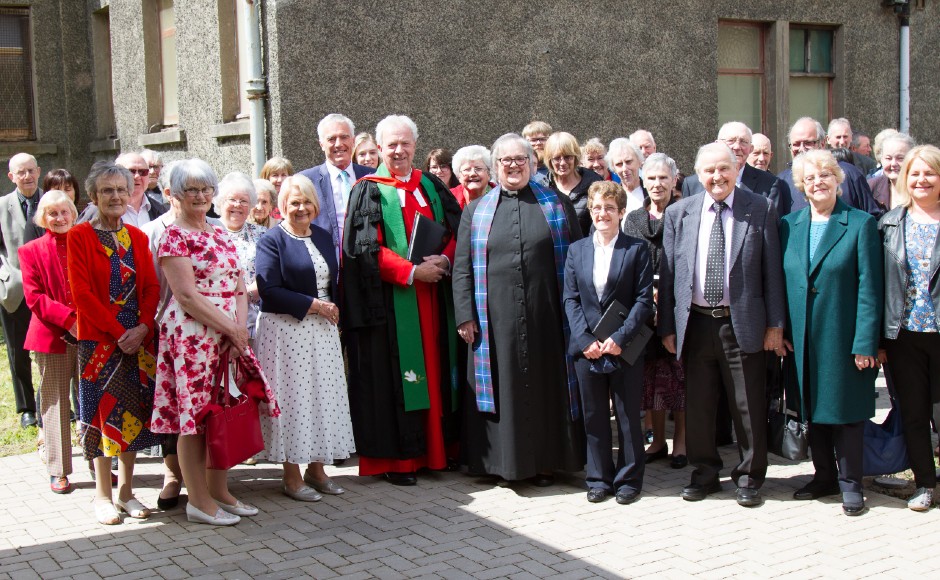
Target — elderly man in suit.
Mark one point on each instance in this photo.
(144, 206)
(721, 305)
(335, 177)
(739, 138)
(17, 209)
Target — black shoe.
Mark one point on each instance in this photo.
(663, 453)
(625, 495)
(678, 461)
(853, 503)
(71, 416)
(401, 478)
(748, 496)
(28, 419)
(338, 462)
(168, 503)
(698, 492)
(542, 480)
(597, 495)
(817, 489)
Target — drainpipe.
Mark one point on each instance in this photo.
(904, 20)
(255, 86)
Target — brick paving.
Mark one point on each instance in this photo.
(455, 526)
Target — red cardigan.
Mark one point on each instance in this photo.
(47, 293)
(89, 271)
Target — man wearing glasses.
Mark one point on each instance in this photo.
(143, 206)
(17, 210)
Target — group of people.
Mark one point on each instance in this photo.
(375, 340)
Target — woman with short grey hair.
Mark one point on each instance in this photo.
(472, 167)
(624, 159)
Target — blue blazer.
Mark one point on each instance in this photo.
(630, 280)
(320, 176)
(287, 281)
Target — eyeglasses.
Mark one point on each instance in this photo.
(194, 191)
(237, 202)
(537, 139)
(472, 170)
(824, 176)
(560, 158)
(804, 144)
(597, 209)
(742, 140)
(112, 192)
(509, 161)
(140, 172)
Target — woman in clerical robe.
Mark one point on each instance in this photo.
(522, 418)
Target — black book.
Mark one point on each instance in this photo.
(428, 238)
(612, 321)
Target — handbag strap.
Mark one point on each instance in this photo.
(221, 380)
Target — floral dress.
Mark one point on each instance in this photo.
(245, 241)
(189, 350)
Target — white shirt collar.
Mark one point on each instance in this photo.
(334, 171)
(709, 200)
(598, 242)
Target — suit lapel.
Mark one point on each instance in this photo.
(799, 240)
(690, 224)
(835, 229)
(741, 212)
(13, 202)
(749, 178)
(616, 267)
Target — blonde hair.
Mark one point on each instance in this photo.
(276, 165)
(561, 144)
(305, 187)
(820, 159)
(52, 198)
(930, 155)
(536, 128)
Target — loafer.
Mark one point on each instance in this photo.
(168, 503)
(748, 496)
(59, 484)
(678, 461)
(663, 453)
(698, 492)
(328, 487)
(106, 513)
(853, 503)
(625, 495)
(239, 508)
(221, 517)
(401, 478)
(817, 489)
(921, 500)
(597, 495)
(305, 493)
(28, 419)
(542, 480)
(133, 508)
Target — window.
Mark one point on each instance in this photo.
(104, 101)
(235, 59)
(16, 76)
(741, 74)
(811, 73)
(168, 82)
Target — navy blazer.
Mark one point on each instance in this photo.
(287, 281)
(320, 176)
(756, 180)
(629, 280)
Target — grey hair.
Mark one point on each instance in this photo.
(387, 123)
(52, 198)
(902, 137)
(163, 182)
(713, 146)
(334, 118)
(839, 122)
(504, 141)
(661, 160)
(104, 169)
(617, 147)
(124, 158)
(265, 185)
(150, 155)
(472, 153)
(191, 172)
(234, 182)
(820, 131)
(642, 133)
(731, 125)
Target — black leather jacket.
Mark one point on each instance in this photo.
(891, 226)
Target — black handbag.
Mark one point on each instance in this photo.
(787, 434)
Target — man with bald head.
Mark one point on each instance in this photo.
(738, 137)
(721, 306)
(761, 152)
(643, 140)
(17, 210)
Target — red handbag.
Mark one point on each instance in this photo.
(233, 427)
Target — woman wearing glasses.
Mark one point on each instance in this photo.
(563, 157)
(472, 168)
(834, 280)
(204, 317)
(522, 418)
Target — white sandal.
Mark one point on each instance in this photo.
(133, 508)
(106, 513)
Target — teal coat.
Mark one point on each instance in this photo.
(834, 311)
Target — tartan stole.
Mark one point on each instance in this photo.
(480, 226)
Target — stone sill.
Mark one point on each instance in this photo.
(104, 145)
(228, 130)
(11, 148)
(169, 137)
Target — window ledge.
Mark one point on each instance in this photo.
(104, 145)
(11, 148)
(233, 129)
(168, 137)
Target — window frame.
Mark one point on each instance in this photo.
(30, 131)
(761, 72)
(831, 76)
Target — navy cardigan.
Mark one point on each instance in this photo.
(287, 281)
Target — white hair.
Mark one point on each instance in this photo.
(334, 118)
(734, 125)
(234, 182)
(616, 149)
(719, 146)
(391, 121)
(504, 141)
(471, 153)
(661, 160)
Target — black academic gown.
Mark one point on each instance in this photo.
(532, 430)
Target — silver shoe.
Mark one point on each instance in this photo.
(921, 500)
(303, 494)
(221, 518)
(239, 508)
(329, 487)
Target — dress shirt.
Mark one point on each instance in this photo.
(602, 255)
(740, 176)
(635, 199)
(340, 198)
(701, 255)
(138, 218)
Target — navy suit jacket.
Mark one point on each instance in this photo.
(855, 191)
(756, 180)
(629, 280)
(320, 176)
(287, 281)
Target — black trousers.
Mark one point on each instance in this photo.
(914, 364)
(714, 362)
(837, 454)
(15, 324)
(625, 387)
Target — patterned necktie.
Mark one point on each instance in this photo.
(715, 263)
